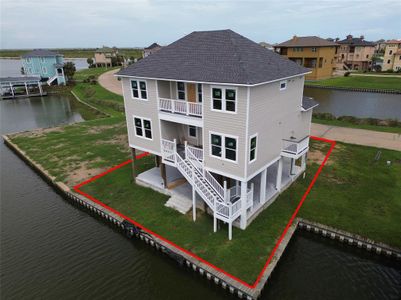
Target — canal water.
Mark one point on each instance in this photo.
(52, 250)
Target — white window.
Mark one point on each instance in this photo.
(138, 89)
(42, 59)
(283, 85)
(28, 60)
(224, 147)
(252, 148)
(143, 128)
(192, 131)
(181, 90)
(314, 49)
(44, 70)
(224, 99)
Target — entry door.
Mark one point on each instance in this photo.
(191, 90)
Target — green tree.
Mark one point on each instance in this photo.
(69, 70)
(89, 61)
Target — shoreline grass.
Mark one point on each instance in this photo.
(341, 123)
(364, 82)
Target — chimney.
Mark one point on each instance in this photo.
(349, 37)
(362, 37)
(294, 38)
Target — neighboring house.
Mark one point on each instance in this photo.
(355, 54)
(151, 49)
(232, 122)
(392, 56)
(103, 56)
(267, 45)
(46, 64)
(311, 52)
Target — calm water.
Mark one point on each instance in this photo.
(357, 104)
(12, 67)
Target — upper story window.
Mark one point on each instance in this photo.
(298, 49)
(283, 85)
(42, 59)
(143, 127)
(28, 60)
(181, 90)
(44, 70)
(314, 49)
(138, 89)
(224, 147)
(199, 91)
(224, 99)
(252, 148)
(390, 52)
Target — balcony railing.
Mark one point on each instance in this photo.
(180, 107)
(294, 148)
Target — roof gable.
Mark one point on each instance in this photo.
(220, 56)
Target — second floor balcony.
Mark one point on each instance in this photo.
(180, 107)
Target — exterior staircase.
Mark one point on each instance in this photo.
(225, 203)
(51, 79)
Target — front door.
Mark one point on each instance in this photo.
(191, 90)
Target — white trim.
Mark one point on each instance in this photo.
(223, 99)
(143, 127)
(180, 119)
(285, 85)
(224, 173)
(223, 146)
(145, 150)
(138, 83)
(256, 148)
(158, 119)
(217, 83)
(248, 100)
(262, 168)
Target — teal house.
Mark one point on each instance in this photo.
(46, 64)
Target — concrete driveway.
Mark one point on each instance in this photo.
(110, 82)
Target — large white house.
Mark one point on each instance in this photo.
(226, 120)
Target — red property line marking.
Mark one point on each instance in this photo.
(253, 286)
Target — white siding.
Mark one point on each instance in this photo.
(146, 109)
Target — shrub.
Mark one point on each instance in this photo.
(324, 116)
(346, 74)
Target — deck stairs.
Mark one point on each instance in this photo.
(225, 203)
(51, 79)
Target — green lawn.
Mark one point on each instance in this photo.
(358, 126)
(85, 73)
(379, 82)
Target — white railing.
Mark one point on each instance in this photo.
(168, 150)
(180, 107)
(295, 147)
(197, 152)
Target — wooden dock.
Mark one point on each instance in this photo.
(23, 86)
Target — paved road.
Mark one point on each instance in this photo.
(110, 82)
(341, 134)
(358, 136)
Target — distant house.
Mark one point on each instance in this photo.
(151, 49)
(46, 64)
(392, 56)
(355, 53)
(311, 52)
(266, 45)
(104, 56)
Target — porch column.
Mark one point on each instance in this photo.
(163, 174)
(303, 161)
(292, 167)
(26, 89)
(40, 88)
(193, 204)
(230, 230)
(263, 178)
(133, 156)
(279, 174)
(11, 89)
(243, 204)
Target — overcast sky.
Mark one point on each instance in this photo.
(137, 23)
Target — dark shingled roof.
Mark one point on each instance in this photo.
(154, 45)
(307, 41)
(221, 56)
(41, 52)
(308, 103)
(356, 42)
